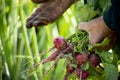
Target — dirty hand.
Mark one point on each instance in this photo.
(97, 30)
(48, 12)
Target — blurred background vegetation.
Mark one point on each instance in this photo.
(19, 45)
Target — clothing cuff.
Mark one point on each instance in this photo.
(111, 19)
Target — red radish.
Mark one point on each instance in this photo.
(69, 49)
(51, 57)
(84, 56)
(78, 59)
(54, 55)
(69, 69)
(60, 43)
(81, 58)
(94, 60)
(84, 74)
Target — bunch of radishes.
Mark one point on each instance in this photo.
(64, 48)
(80, 59)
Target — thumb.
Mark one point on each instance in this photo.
(84, 26)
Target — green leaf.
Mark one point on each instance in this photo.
(111, 71)
(105, 56)
(94, 75)
(86, 13)
(104, 4)
(72, 77)
(100, 46)
(94, 3)
(85, 66)
(116, 50)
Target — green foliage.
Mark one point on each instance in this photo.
(80, 40)
(111, 71)
(106, 56)
(95, 75)
(91, 10)
(72, 77)
(86, 13)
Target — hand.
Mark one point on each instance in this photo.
(98, 30)
(48, 12)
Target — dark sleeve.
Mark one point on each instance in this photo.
(112, 16)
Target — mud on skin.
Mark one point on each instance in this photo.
(48, 12)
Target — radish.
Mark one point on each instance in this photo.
(81, 58)
(84, 74)
(69, 69)
(57, 52)
(84, 56)
(51, 57)
(69, 49)
(94, 60)
(60, 43)
(78, 59)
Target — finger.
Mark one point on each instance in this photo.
(36, 23)
(29, 19)
(92, 39)
(40, 21)
(37, 11)
(29, 24)
(95, 37)
(84, 26)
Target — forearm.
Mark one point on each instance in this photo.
(112, 16)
